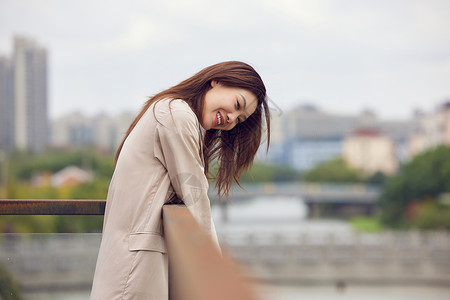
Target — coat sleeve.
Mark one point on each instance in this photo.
(178, 148)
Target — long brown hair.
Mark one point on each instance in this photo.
(234, 149)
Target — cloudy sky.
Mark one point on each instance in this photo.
(391, 56)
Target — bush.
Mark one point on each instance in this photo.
(410, 198)
(335, 170)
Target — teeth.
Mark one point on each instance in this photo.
(219, 119)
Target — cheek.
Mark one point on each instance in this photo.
(205, 109)
(204, 118)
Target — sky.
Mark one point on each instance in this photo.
(345, 56)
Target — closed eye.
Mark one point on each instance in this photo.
(238, 105)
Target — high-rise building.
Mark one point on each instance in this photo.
(30, 95)
(6, 105)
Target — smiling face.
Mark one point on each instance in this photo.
(224, 107)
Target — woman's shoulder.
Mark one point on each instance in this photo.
(175, 111)
(167, 106)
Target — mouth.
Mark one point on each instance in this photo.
(219, 119)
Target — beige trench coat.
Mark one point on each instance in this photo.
(158, 161)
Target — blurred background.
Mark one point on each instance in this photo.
(351, 200)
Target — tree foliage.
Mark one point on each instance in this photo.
(411, 198)
(335, 170)
(23, 166)
(96, 189)
(260, 172)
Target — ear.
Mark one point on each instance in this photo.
(214, 83)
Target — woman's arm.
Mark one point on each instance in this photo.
(178, 147)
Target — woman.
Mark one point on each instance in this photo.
(166, 155)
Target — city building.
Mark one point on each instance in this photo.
(370, 151)
(304, 154)
(307, 136)
(30, 95)
(6, 105)
(71, 130)
(70, 176)
(101, 131)
(430, 130)
(23, 97)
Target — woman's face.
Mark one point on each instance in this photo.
(225, 107)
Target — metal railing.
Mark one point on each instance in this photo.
(201, 271)
(51, 207)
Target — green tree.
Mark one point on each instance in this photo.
(28, 224)
(410, 198)
(24, 165)
(378, 178)
(335, 170)
(269, 173)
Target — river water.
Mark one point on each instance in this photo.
(272, 215)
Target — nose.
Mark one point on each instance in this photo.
(232, 117)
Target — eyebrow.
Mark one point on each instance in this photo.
(245, 105)
(245, 100)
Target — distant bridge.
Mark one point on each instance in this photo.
(309, 192)
(341, 199)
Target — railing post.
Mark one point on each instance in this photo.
(197, 270)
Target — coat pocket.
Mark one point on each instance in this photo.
(148, 241)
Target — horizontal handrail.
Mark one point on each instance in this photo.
(51, 207)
